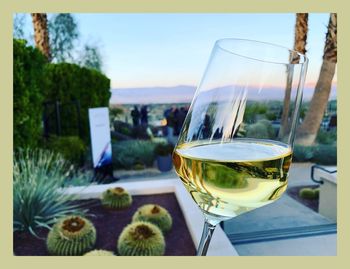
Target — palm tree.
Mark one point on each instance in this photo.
(41, 34)
(300, 36)
(307, 132)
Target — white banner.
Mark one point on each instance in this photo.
(100, 134)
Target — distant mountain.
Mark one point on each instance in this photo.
(161, 95)
(184, 94)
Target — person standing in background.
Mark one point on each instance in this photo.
(135, 114)
(170, 119)
(144, 115)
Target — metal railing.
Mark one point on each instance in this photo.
(316, 166)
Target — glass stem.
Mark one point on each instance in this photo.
(208, 231)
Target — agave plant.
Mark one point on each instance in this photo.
(38, 197)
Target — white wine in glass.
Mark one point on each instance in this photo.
(229, 156)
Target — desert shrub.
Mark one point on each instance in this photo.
(325, 154)
(262, 129)
(140, 132)
(320, 154)
(115, 112)
(72, 148)
(128, 153)
(271, 116)
(254, 109)
(122, 127)
(326, 138)
(125, 131)
(69, 82)
(303, 153)
(28, 88)
(38, 200)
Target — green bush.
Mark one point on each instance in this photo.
(128, 153)
(303, 153)
(115, 112)
(69, 82)
(325, 154)
(271, 116)
(320, 154)
(38, 200)
(125, 131)
(72, 148)
(254, 109)
(262, 129)
(28, 87)
(36, 81)
(326, 138)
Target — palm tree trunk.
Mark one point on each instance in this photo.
(41, 34)
(307, 132)
(301, 28)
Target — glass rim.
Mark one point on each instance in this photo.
(219, 45)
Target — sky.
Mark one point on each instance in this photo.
(165, 50)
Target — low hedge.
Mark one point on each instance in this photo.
(127, 154)
(262, 129)
(36, 81)
(320, 154)
(326, 137)
(28, 87)
(69, 82)
(72, 148)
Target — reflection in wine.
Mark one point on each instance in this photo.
(228, 179)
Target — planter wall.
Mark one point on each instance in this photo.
(220, 244)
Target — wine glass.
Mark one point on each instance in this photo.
(235, 147)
